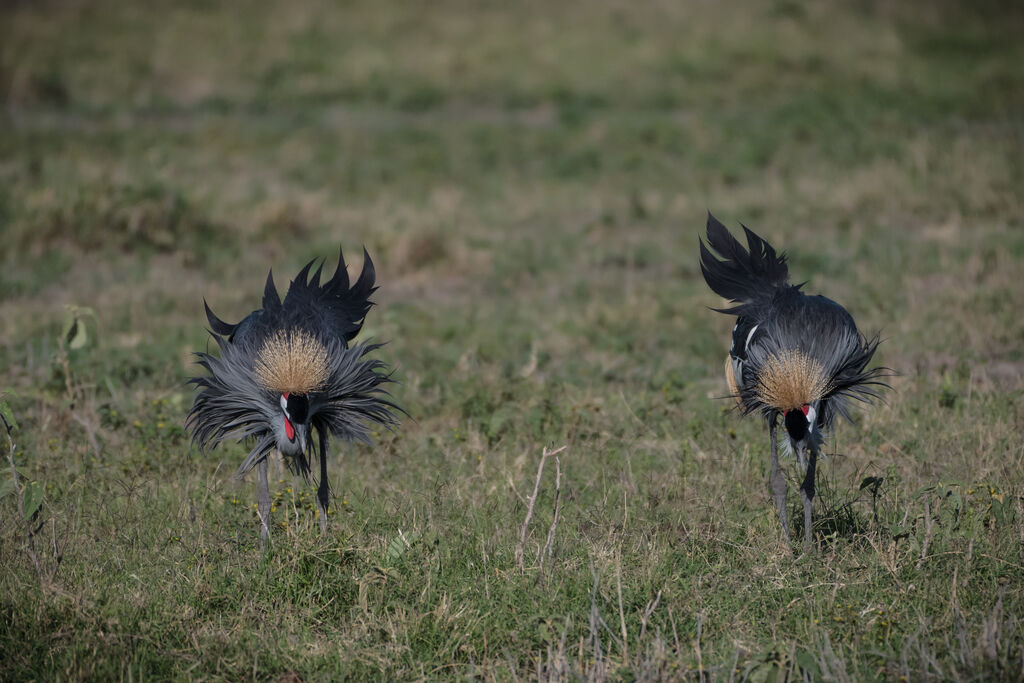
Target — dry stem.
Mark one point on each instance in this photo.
(622, 614)
(927, 532)
(548, 549)
(530, 503)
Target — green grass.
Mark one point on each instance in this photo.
(531, 181)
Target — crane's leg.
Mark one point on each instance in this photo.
(778, 482)
(807, 495)
(279, 464)
(263, 505)
(323, 491)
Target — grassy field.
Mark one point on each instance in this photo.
(531, 181)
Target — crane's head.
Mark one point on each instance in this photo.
(293, 364)
(794, 384)
(800, 421)
(802, 429)
(292, 430)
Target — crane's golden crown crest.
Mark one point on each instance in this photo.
(791, 379)
(292, 362)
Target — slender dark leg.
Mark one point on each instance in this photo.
(323, 492)
(778, 482)
(263, 505)
(807, 495)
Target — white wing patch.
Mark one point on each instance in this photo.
(746, 344)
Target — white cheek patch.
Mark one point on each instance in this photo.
(811, 414)
(284, 405)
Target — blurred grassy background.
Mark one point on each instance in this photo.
(530, 180)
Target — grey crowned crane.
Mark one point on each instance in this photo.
(287, 379)
(793, 356)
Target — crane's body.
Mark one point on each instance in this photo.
(793, 355)
(287, 379)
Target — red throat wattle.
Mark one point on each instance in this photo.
(289, 428)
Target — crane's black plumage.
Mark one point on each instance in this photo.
(792, 355)
(287, 370)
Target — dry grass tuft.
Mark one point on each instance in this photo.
(292, 362)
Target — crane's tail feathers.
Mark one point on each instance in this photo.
(744, 275)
